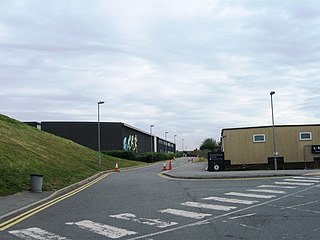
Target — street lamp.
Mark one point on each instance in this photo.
(165, 138)
(99, 146)
(273, 133)
(182, 144)
(151, 148)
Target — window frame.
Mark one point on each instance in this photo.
(305, 139)
(259, 141)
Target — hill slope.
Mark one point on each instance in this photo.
(25, 150)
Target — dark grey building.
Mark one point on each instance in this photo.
(114, 136)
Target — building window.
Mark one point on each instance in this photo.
(259, 138)
(305, 136)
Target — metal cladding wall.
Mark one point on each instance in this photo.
(165, 146)
(84, 133)
(114, 136)
(134, 140)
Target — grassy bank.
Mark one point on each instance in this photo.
(25, 150)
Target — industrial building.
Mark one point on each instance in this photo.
(113, 136)
(297, 146)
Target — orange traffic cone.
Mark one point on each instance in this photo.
(164, 166)
(170, 165)
(116, 169)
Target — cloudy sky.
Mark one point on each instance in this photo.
(190, 67)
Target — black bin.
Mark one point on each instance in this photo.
(216, 161)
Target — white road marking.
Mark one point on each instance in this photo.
(249, 195)
(36, 233)
(294, 183)
(311, 178)
(299, 205)
(182, 213)
(214, 218)
(244, 225)
(242, 216)
(301, 180)
(103, 229)
(151, 222)
(208, 206)
(295, 207)
(276, 186)
(266, 191)
(230, 200)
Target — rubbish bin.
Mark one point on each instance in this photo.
(216, 161)
(36, 183)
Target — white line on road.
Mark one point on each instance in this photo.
(102, 229)
(208, 206)
(266, 191)
(311, 178)
(299, 205)
(221, 215)
(294, 183)
(187, 214)
(151, 222)
(242, 216)
(295, 207)
(249, 195)
(230, 200)
(36, 233)
(301, 180)
(247, 226)
(276, 186)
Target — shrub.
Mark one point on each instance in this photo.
(148, 157)
(121, 154)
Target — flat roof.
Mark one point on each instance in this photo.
(269, 126)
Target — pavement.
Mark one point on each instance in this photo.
(21, 202)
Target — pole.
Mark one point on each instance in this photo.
(99, 133)
(273, 133)
(165, 138)
(151, 142)
(182, 145)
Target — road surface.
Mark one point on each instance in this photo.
(141, 204)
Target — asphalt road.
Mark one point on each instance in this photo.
(140, 204)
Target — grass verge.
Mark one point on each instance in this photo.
(25, 150)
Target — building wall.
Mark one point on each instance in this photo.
(165, 146)
(114, 136)
(239, 147)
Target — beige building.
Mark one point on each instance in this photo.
(296, 145)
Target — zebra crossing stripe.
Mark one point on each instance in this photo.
(230, 200)
(36, 233)
(294, 183)
(249, 195)
(301, 180)
(208, 206)
(266, 191)
(311, 178)
(276, 186)
(151, 222)
(102, 229)
(187, 214)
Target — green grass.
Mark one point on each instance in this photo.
(25, 150)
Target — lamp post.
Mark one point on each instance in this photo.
(174, 140)
(165, 138)
(99, 146)
(151, 148)
(182, 144)
(273, 133)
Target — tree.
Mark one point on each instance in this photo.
(209, 144)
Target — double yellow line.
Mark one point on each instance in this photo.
(13, 221)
